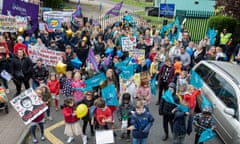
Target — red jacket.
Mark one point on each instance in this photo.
(54, 86)
(190, 98)
(67, 113)
(152, 55)
(19, 45)
(102, 114)
(39, 118)
(5, 48)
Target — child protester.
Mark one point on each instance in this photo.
(124, 113)
(89, 101)
(202, 121)
(191, 97)
(102, 115)
(72, 126)
(47, 98)
(77, 83)
(54, 87)
(67, 85)
(144, 91)
(141, 123)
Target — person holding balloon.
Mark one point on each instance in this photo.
(88, 100)
(72, 126)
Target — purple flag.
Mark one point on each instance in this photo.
(106, 62)
(78, 11)
(115, 10)
(21, 8)
(92, 59)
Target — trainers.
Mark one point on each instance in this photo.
(70, 139)
(35, 140)
(50, 118)
(7, 91)
(84, 139)
(42, 138)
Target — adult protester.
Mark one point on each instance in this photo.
(40, 74)
(19, 45)
(21, 70)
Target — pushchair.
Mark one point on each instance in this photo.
(3, 99)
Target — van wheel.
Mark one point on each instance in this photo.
(6, 109)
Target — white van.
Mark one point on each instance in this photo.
(222, 88)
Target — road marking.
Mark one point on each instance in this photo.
(50, 136)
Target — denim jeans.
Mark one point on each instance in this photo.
(178, 139)
(139, 141)
(33, 129)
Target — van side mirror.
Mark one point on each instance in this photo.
(230, 111)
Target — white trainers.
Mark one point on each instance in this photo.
(70, 139)
(7, 91)
(35, 140)
(42, 138)
(84, 139)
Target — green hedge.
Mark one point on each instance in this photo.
(221, 22)
(55, 4)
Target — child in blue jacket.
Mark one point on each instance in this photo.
(141, 123)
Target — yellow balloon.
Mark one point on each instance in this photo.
(85, 38)
(21, 30)
(69, 33)
(81, 111)
(61, 67)
(102, 84)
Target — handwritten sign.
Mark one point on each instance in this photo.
(49, 57)
(28, 105)
(128, 43)
(138, 54)
(7, 23)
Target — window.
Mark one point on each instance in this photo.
(223, 90)
(203, 71)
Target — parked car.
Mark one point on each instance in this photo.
(222, 88)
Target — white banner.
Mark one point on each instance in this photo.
(28, 105)
(50, 57)
(21, 22)
(66, 16)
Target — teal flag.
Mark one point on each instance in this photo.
(196, 80)
(168, 97)
(206, 135)
(126, 72)
(153, 85)
(95, 80)
(211, 33)
(205, 102)
(109, 95)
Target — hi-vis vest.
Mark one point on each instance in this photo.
(225, 38)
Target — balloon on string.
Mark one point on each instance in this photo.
(133, 60)
(108, 51)
(20, 30)
(76, 63)
(119, 53)
(61, 67)
(69, 33)
(81, 111)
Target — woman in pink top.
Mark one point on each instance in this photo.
(77, 83)
(144, 91)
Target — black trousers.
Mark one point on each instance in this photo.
(197, 136)
(163, 86)
(85, 123)
(18, 83)
(167, 119)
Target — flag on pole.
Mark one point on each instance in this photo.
(78, 11)
(114, 11)
(92, 59)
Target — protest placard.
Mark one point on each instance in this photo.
(54, 23)
(104, 137)
(129, 43)
(21, 22)
(138, 54)
(28, 105)
(7, 23)
(66, 16)
(49, 57)
(130, 85)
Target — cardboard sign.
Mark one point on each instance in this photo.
(138, 54)
(49, 57)
(128, 43)
(28, 105)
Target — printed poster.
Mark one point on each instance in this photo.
(54, 23)
(28, 105)
(21, 22)
(49, 57)
(138, 54)
(66, 16)
(129, 43)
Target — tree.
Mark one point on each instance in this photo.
(228, 7)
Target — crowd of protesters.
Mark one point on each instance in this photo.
(170, 57)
